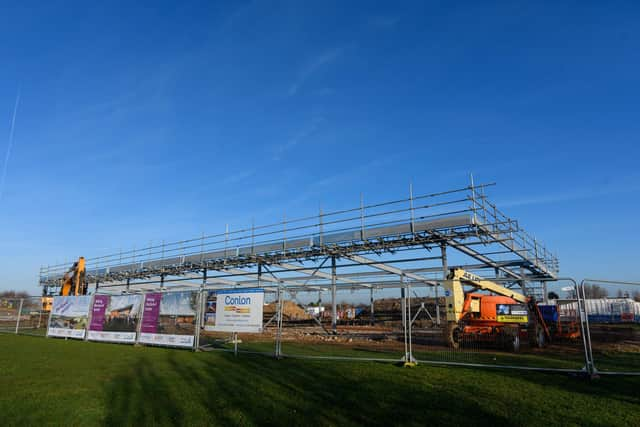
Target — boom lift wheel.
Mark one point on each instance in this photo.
(452, 335)
(509, 338)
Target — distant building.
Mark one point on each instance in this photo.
(314, 311)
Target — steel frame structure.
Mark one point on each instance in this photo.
(305, 254)
(462, 219)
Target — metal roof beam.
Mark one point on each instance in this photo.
(322, 275)
(390, 269)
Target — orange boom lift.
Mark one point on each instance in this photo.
(499, 318)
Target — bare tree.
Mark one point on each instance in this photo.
(636, 296)
(595, 291)
(14, 294)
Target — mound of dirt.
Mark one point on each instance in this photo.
(290, 311)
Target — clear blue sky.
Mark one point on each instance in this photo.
(163, 121)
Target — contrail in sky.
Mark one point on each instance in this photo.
(10, 145)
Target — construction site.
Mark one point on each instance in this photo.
(439, 278)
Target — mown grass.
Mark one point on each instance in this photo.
(57, 382)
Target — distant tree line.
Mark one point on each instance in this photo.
(14, 294)
(593, 291)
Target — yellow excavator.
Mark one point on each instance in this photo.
(482, 318)
(73, 283)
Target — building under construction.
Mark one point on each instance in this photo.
(409, 242)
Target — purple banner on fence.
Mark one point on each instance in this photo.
(100, 303)
(151, 313)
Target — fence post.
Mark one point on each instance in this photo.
(53, 301)
(334, 306)
(140, 318)
(198, 320)
(19, 314)
(591, 369)
(410, 361)
(40, 310)
(403, 307)
(89, 317)
(279, 323)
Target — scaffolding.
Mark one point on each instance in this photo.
(304, 254)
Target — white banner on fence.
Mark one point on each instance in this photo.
(127, 337)
(237, 310)
(69, 316)
(169, 318)
(166, 339)
(66, 333)
(115, 318)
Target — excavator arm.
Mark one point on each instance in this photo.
(73, 281)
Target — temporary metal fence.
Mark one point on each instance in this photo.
(23, 316)
(612, 314)
(406, 324)
(33, 316)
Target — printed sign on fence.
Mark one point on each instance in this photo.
(237, 310)
(169, 319)
(69, 316)
(209, 318)
(115, 318)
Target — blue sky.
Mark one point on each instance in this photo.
(138, 123)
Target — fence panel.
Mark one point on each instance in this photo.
(261, 340)
(498, 332)
(613, 313)
(34, 316)
(9, 314)
(367, 325)
(170, 318)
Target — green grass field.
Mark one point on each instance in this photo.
(57, 382)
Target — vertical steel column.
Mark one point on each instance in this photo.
(403, 307)
(19, 313)
(409, 358)
(372, 315)
(445, 273)
(523, 283)
(334, 307)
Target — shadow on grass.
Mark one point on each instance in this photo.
(253, 390)
(141, 396)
